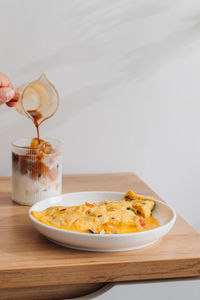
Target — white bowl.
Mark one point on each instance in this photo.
(102, 242)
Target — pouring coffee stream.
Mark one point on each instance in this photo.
(36, 117)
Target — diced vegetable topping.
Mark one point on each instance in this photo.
(88, 204)
(132, 209)
(142, 222)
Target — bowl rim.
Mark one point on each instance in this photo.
(112, 235)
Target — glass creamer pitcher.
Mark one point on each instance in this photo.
(38, 100)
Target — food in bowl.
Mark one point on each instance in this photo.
(132, 214)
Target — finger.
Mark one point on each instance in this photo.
(4, 81)
(6, 94)
(13, 101)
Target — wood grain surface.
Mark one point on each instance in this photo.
(29, 260)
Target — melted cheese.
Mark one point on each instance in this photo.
(125, 216)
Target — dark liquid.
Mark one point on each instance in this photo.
(36, 117)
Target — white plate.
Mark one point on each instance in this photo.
(102, 242)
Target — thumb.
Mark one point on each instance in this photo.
(6, 94)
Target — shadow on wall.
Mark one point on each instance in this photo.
(91, 40)
(148, 59)
(92, 23)
(106, 16)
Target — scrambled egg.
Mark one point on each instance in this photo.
(130, 215)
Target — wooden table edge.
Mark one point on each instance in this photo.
(60, 275)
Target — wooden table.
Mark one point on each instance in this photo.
(31, 267)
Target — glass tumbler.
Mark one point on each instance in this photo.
(36, 171)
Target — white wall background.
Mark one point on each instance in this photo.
(128, 74)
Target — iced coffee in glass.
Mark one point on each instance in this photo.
(36, 170)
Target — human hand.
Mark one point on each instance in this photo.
(7, 94)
